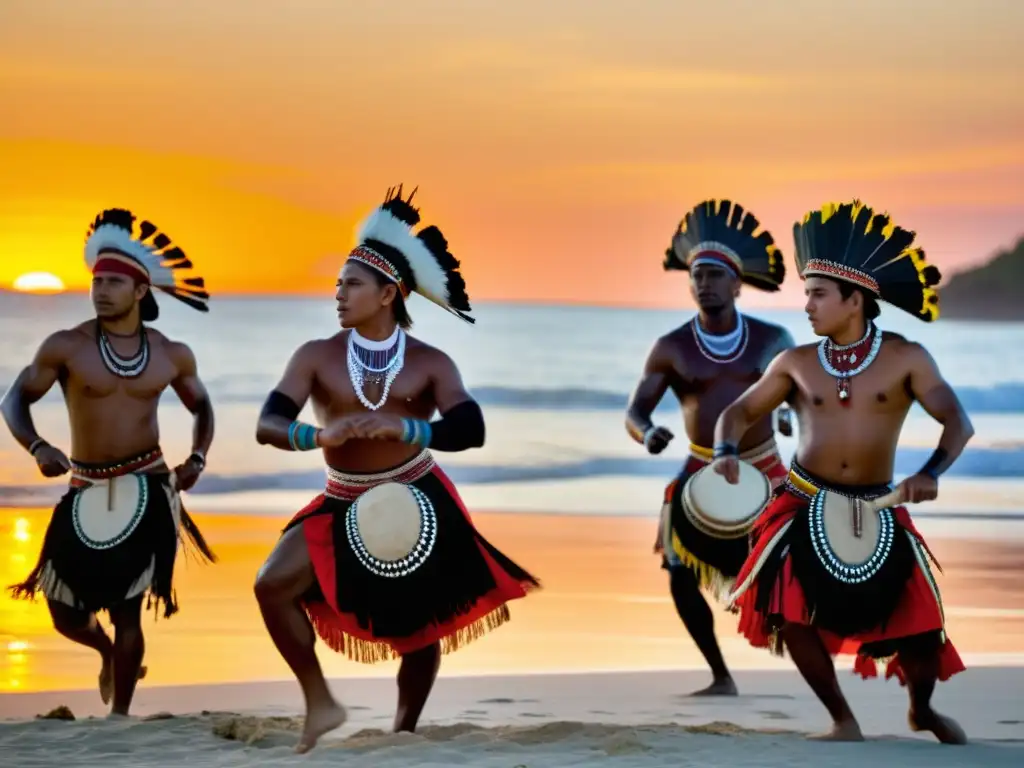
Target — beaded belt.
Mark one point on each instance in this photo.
(86, 474)
(349, 487)
(761, 453)
(803, 485)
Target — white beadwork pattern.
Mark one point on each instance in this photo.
(398, 568)
(837, 569)
(129, 529)
(825, 353)
(357, 371)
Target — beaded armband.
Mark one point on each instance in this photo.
(725, 449)
(302, 437)
(416, 432)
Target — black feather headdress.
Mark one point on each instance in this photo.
(419, 263)
(722, 232)
(849, 241)
(111, 245)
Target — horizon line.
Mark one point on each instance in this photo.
(256, 296)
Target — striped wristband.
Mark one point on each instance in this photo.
(302, 437)
(416, 432)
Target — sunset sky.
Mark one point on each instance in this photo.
(556, 143)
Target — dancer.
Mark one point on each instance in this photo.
(708, 362)
(828, 573)
(374, 388)
(113, 537)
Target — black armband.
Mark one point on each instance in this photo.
(279, 404)
(725, 449)
(461, 428)
(931, 467)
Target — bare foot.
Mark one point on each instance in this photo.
(107, 679)
(946, 729)
(319, 721)
(724, 687)
(845, 730)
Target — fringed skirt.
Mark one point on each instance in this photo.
(715, 561)
(113, 537)
(787, 579)
(459, 593)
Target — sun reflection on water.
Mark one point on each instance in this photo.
(21, 621)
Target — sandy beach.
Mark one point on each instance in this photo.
(622, 719)
(592, 668)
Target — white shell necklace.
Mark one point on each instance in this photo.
(124, 367)
(375, 361)
(722, 348)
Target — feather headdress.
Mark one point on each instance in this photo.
(722, 232)
(417, 263)
(850, 242)
(150, 257)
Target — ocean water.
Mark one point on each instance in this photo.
(553, 382)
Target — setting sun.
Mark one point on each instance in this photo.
(39, 282)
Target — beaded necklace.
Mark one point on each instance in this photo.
(378, 362)
(843, 362)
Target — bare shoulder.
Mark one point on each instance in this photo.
(671, 345)
(763, 326)
(62, 344)
(310, 353)
(178, 351)
(770, 335)
(675, 337)
(430, 357)
(901, 345)
(798, 356)
(913, 354)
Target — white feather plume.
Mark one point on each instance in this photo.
(431, 279)
(112, 237)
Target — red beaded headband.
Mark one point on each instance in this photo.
(371, 258)
(841, 272)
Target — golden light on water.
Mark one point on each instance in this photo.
(21, 530)
(16, 662)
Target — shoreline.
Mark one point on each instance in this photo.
(631, 720)
(604, 606)
(579, 695)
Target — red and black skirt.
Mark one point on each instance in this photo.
(459, 592)
(89, 572)
(788, 579)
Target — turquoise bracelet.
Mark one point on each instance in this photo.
(416, 432)
(302, 437)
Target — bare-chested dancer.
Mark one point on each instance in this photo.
(112, 370)
(374, 388)
(707, 363)
(809, 581)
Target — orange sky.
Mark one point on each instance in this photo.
(556, 143)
